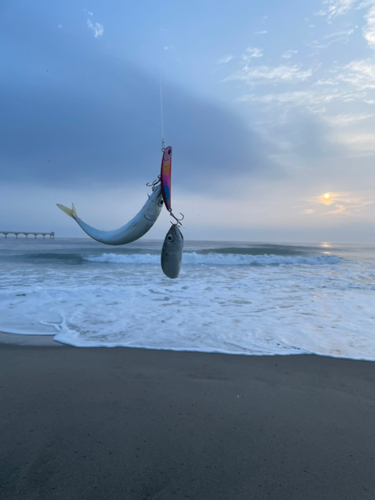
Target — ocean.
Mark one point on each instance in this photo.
(231, 297)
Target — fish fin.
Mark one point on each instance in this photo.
(69, 211)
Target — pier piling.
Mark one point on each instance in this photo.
(5, 233)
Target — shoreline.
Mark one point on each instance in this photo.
(24, 340)
(136, 423)
(47, 340)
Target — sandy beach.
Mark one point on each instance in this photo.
(144, 424)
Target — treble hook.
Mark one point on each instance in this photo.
(154, 183)
(178, 221)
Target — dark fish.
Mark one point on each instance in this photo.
(171, 253)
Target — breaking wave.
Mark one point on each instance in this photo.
(219, 259)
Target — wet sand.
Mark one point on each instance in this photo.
(141, 424)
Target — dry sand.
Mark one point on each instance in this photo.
(141, 424)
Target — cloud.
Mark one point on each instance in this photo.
(348, 204)
(339, 34)
(326, 82)
(315, 100)
(329, 39)
(268, 74)
(264, 32)
(361, 141)
(96, 120)
(225, 59)
(360, 74)
(316, 44)
(338, 86)
(334, 8)
(348, 119)
(298, 97)
(339, 7)
(340, 210)
(251, 53)
(369, 30)
(96, 28)
(310, 99)
(349, 83)
(289, 53)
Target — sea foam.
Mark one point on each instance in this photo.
(244, 303)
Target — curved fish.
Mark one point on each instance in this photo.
(171, 253)
(133, 230)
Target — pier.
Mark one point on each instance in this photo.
(51, 235)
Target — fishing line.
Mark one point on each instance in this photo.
(161, 111)
(161, 86)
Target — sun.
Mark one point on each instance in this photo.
(327, 198)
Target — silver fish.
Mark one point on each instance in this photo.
(133, 230)
(171, 253)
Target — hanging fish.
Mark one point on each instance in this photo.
(165, 176)
(133, 230)
(171, 253)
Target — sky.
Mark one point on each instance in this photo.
(268, 106)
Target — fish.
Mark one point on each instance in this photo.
(171, 253)
(133, 230)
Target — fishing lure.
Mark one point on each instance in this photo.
(165, 177)
(166, 181)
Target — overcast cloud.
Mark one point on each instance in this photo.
(261, 126)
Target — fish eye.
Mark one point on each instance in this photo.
(170, 237)
(169, 151)
(161, 203)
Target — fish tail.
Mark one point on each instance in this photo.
(69, 211)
